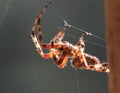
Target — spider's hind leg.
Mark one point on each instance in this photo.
(95, 64)
(102, 67)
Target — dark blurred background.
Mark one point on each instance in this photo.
(22, 70)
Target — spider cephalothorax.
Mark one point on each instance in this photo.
(61, 51)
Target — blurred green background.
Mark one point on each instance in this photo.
(22, 70)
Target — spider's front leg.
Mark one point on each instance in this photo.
(38, 41)
(37, 25)
(38, 19)
(55, 42)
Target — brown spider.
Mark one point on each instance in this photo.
(61, 51)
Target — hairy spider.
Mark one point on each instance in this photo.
(61, 51)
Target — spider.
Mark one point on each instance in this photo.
(61, 51)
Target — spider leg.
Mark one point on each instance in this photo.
(34, 37)
(62, 60)
(40, 51)
(55, 42)
(37, 20)
(79, 61)
(59, 36)
(102, 67)
(37, 23)
(91, 62)
(95, 64)
(52, 43)
(81, 45)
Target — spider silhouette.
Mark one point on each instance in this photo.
(61, 51)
